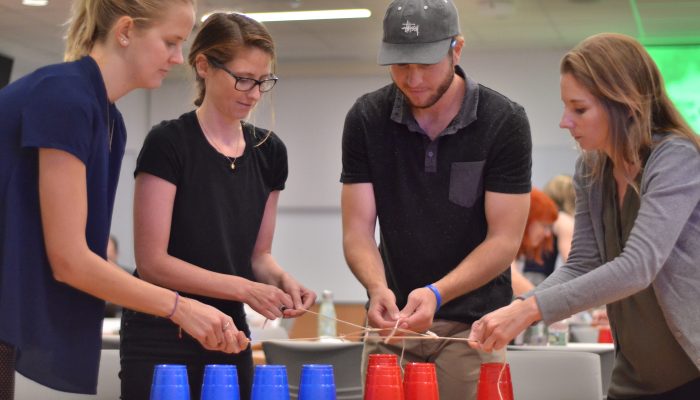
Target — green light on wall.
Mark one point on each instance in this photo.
(680, 67)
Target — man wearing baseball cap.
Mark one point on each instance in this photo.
(444, 164)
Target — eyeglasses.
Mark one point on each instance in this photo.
(247, 84)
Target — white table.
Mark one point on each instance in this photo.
(606, 351)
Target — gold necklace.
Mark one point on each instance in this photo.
(213, 143)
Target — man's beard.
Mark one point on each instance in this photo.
(439, 92)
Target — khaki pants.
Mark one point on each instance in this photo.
(457, 365)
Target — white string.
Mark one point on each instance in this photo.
(406, 335)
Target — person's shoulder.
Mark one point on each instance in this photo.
(668, 142)
(64, 82)
(490, 99)
(376, 100)
(264, 139)
(175, 126)
(673, 151)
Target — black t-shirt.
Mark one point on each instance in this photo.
(430, 194)
(217, 211)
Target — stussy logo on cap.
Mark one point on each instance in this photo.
(409, 27)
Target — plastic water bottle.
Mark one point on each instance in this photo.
(327, 326)
(559, 333)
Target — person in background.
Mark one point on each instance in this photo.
(62, 140)
(537, 239)
(561, 190)
(205, 207)
(637, 224)
(444, 165)
(113, 310)
(113, 250)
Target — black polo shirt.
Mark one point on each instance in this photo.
(430, 194)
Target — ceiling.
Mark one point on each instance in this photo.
(35, 32)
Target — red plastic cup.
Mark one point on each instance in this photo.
(387, 359)
(605, 335)
(383, 383)
(420, 382)
(489, 384)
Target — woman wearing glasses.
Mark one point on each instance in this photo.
(207, 186)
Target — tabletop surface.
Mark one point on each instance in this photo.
(590, 347)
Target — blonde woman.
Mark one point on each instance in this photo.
(637, 224)
(61, 144)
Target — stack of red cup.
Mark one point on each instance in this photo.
(494, 385)
(420, 382)
(605, 335)
(383, 382)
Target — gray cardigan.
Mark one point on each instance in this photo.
(663, 248)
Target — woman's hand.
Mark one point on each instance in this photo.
(496, 329)
(209, 326)
(268, 300)
(302, 297)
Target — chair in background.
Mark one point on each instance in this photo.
(108, 384)
(555, 375)
(346, 358)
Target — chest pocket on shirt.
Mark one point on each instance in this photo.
(466, 183)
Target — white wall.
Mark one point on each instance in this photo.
(310, 103)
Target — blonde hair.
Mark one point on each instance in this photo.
(561, 190)
(91, 21)
(619, 72)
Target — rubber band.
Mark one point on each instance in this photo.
(177, 299)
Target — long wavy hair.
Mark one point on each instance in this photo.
(618, 71)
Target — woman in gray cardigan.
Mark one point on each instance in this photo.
(636, 243)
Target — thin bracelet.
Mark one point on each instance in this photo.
(437, 295)
(177, 299)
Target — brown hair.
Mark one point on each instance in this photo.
(561, 190)
(91, 21)
(619, 72)
(222, 36)
(542, 209)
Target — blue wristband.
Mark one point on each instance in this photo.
(437, 295)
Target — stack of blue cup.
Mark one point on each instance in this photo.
(170, 383)
(317, 382)
(270, 383)
(220, 383)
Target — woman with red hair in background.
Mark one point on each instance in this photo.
(536, 240)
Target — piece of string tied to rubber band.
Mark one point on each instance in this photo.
(405, 334)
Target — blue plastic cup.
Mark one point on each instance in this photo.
(317, 382)
(220, 383)
(170, 383)
(270, 383)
